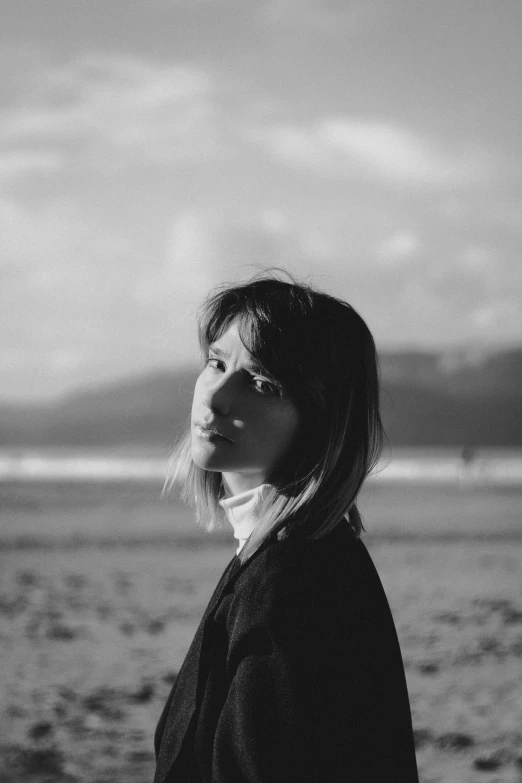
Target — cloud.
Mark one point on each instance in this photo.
(484, 208)
(63, 276)
(498, 321)
(363, 149)
(398, 249)
(109, 110)
(204, 248)
(335, 17)
(18, 163)
(61, 360)
(191, 255)
(112, 111)
(81, 302)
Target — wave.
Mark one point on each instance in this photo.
(490, 467)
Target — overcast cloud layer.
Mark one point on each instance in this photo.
(151, 150)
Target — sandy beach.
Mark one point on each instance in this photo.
(101, 592)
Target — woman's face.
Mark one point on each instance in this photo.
(240, 425)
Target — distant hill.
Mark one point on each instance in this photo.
(148, 409)
(452, 398)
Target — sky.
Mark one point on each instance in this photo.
(152, 149)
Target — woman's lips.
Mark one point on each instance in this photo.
(209, 433)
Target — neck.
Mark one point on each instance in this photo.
(236, 483)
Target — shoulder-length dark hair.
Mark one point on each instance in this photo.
(320, 352)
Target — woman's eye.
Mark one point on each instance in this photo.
(261, 385)
(213, 361)
(264, 386)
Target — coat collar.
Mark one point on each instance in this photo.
(236, 568)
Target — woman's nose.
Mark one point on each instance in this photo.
(220, 396)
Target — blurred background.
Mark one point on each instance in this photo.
(152, 150)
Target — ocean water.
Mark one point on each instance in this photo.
(492, 467)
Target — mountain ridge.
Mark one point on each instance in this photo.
(428, 398)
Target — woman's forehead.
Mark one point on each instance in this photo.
(230, 343)
(238, 329)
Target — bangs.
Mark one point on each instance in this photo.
(258, 325)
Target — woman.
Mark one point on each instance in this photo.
(295, 673)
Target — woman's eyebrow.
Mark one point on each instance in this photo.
(218, 351)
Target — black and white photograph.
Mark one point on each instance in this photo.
(261, 391)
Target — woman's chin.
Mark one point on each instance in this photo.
(208, 458)
(208, 465)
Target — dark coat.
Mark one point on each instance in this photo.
(295, 675)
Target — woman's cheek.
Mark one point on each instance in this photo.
(280, 428)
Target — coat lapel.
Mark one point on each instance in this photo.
(234, 569)
(174, 725)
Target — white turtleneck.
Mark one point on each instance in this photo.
(243, 512)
